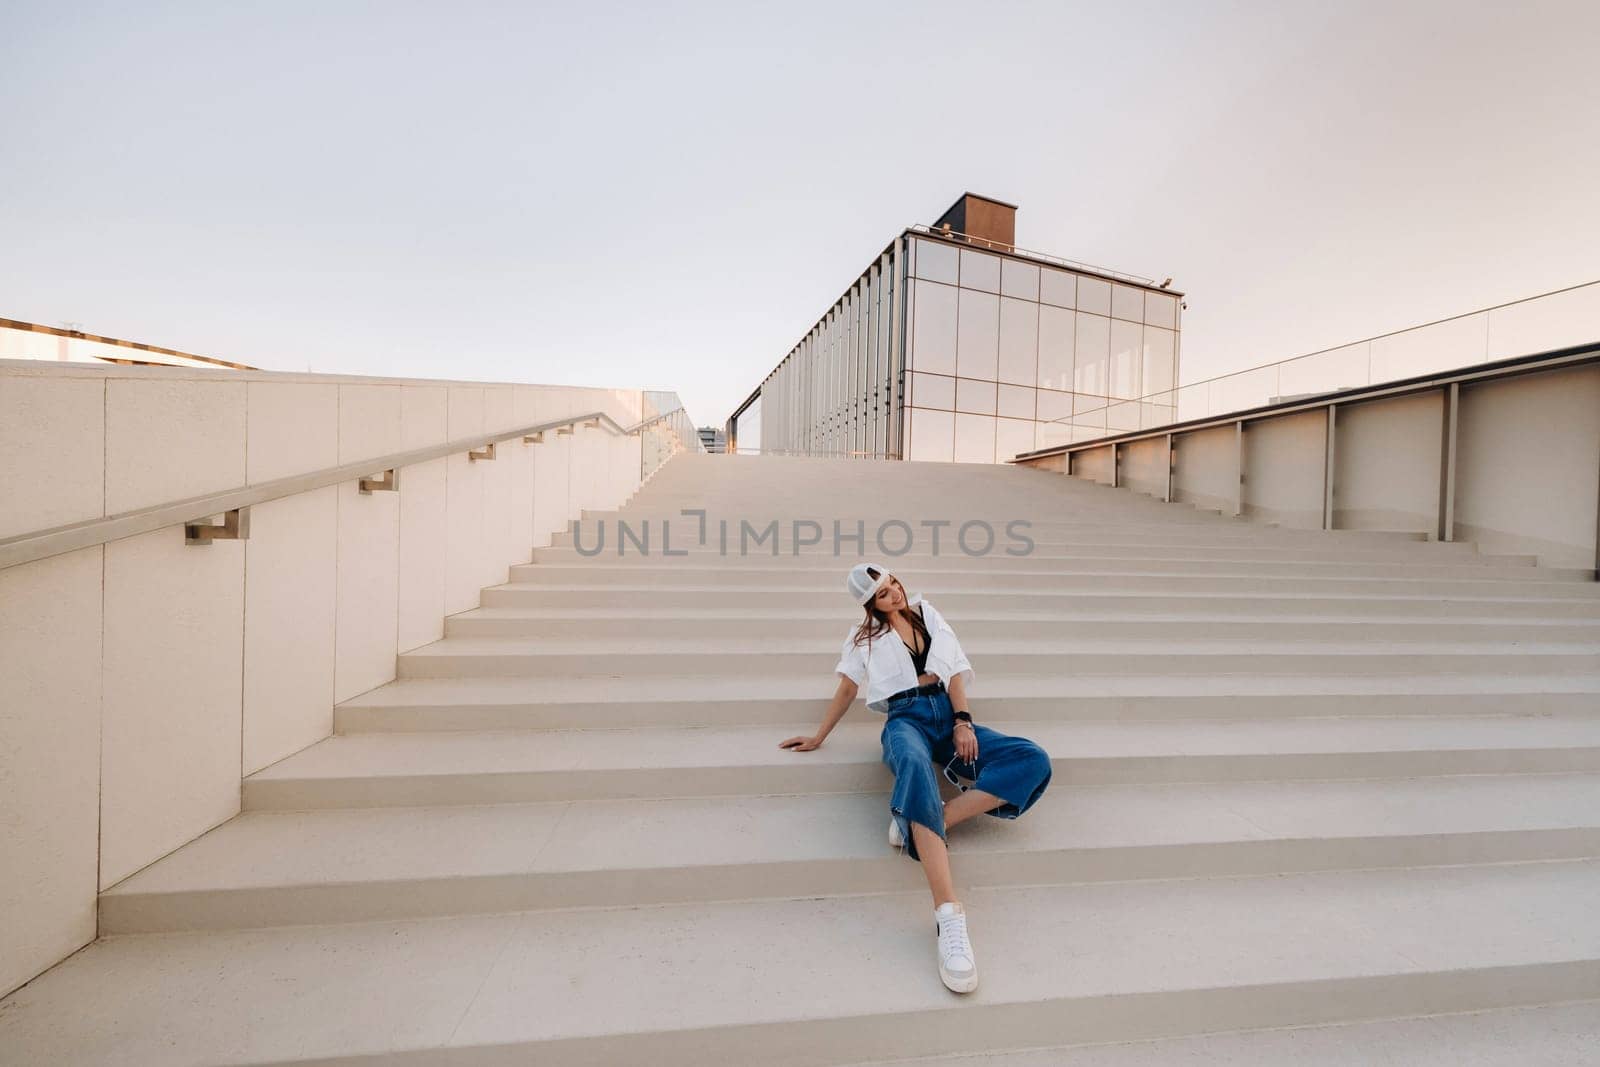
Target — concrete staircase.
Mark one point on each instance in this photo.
(1301, 778)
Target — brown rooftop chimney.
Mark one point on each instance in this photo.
(991, 223)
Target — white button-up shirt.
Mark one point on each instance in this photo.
(886, 668)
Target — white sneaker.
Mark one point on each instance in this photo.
(895, 840)
(958, 967)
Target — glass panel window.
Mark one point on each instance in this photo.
(1057, 342)
(1159, 360)
(1089, 416)
(933, 391)
(1161, 310)
(1194, 402)
(1053, 405)
(979, 270)
(932, 435)
(1093, 339)
(1088, 431)
(1019, 340)
(974, 439)
(1084, 402)
(1050, 434)
(1016, 402)
(1127, 353)
(937, 261)
(975, 396)
(1012, 436)
(1058, 287)
(1158, 409)
(1122, 416)
(978, 353)
(1019, 279)
(1127, 303)
(1094, 295)
(933, 336)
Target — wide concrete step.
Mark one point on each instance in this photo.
(826, 981)
(1008, 521)
(809, 509)
(1153, 537)
(778, 578)
(999, 564)
(1561, 1035)
(1065, 524)
(945, 504)
(756, 655)
(526, 703)
(398, 769)
(948, 550)
(784, 624)
(646, 599)
(288, 868)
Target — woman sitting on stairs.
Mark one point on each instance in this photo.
(917, 676)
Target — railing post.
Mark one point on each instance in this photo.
(1445, 529)
(1327, 471)
(1116, 453)
(1238, 463)
(1171, 463)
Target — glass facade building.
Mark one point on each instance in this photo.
(960, 347)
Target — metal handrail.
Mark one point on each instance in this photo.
(42, 544)
(1145, 398)
(1505, 368)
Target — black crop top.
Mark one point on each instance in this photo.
(919, 660)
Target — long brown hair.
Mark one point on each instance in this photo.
(876, 622)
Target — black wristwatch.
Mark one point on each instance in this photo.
(963, 716)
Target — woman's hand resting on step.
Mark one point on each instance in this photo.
(801, 744)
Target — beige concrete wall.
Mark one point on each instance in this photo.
(171, 728)
(1093, 464)
(423, 525)
(1386, 464)
(50, 695)
(1144, 466)
(463, 478)
(1205, 468)
(217, 661)
(61, 479)
(1527, 466)
(368, 589)
(290, 607)
(1284, 469)
(1527, 452)
(552, 464)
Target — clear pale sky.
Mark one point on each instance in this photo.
(668, 195)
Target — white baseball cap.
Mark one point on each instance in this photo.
(862, 585)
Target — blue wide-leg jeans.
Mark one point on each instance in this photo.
(918, 742)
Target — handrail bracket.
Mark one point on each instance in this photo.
(389, 483)
(235, 526)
